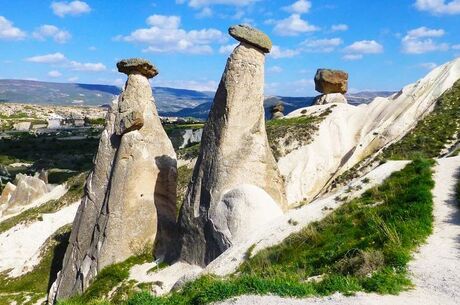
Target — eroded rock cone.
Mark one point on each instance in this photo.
(130, 196)
(234, 160)
(331, 81)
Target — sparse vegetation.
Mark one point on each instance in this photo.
(431, 134)
(285, 135)
(113, 279)
(189, 152)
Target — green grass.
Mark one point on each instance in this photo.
(296, 131)
(184, 175)
(112, 276)
(75, 192)
(359, 247)
(189, 152)
(36, 283)
(432, 133)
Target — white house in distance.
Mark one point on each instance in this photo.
(54, 121)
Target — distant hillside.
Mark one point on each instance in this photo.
(34, 92)
(170, 101)
(290, 104)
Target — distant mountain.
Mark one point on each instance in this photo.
(290, 103)
(366, 97)
(170, 101)
(34, 92)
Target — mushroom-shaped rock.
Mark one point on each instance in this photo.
(252, 36)
(130, 196)
(137, 66)
(234, 150)
(331, 81)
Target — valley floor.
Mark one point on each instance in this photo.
(435, 268)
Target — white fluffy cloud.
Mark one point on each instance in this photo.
(364, 47)
(293, 25)
(88, 67)
(50, 31)
(278, 52)
(54, 74)
(205, 3)
(339, 27)
(61, 60)
(420, 40)
(53, 58)
(74, 8)
(165, 35)
(439, 7)
(321, 45)
(352, 57)
(358, 49)
(8, 31)
(298, 7)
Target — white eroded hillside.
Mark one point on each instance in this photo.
(349, 133)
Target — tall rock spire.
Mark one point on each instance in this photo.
(235, 161)
(130, 196)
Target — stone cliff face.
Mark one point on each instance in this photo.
(129, 201)
(234, 151)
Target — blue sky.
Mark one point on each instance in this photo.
(384, 45)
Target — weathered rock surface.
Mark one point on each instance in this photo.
(251, 36)
(234, 151)
(331, 81)
(241, 211)
(8, 190)
(28, 189)
(277, 111)
(137, 66)
(130, 196)
(330, 98)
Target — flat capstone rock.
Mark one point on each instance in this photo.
(251, 36)
(137, 66)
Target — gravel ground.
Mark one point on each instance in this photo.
(436, 266)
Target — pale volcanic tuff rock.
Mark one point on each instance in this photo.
(330, 98)
(234, 152)
(130, 195)
(331, 81)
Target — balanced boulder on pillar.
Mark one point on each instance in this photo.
(130, 196)
(235, 165)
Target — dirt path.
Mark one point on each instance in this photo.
(435, 268)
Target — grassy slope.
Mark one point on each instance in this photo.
(286, 132)
(112, 276)
(432, 133)
(362, 246)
